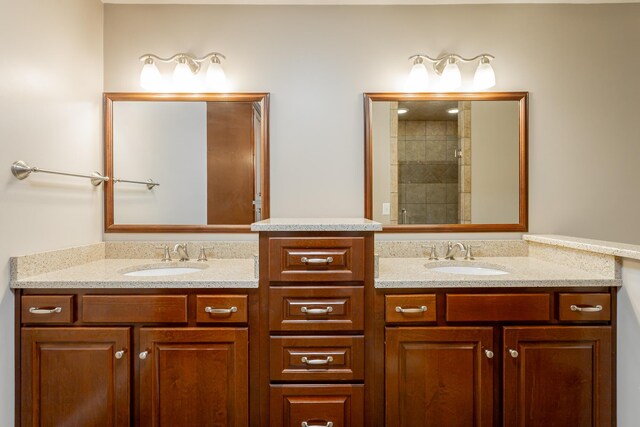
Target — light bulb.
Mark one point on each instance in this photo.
(215, 78)
(484, 78)
(150, 77)
(183, 77)
(418, 77)
(451, 78)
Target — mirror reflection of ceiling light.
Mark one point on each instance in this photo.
(453, 111)
(403, 110)
(185, 72)
(446, 66)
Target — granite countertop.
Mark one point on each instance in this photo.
(523, 272)
(108, 274)
(316, 224)
(623, 250)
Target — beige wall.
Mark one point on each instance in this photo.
(317, 61)
(50, 116)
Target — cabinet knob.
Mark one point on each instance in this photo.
(513, 353)
(489, 354)
(306, 424)
(120, 353)
(143, 355)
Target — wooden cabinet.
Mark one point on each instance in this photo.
(140, 358)
(75, 376)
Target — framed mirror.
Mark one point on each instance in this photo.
(446, 162)
(192, 163)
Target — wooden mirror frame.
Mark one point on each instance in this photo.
(521, 97)
(109, 98)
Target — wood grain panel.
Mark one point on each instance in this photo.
(134, 308)
(497, 307)
(438, 376)
(71, 377)
(585, 302)
(407, 308)
(194, 377)
(346, 352)
(317, 405)
(286, 264)
(62, 306)
(221, 302)
(287, 306)
(562, 376)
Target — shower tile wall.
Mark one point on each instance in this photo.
(428, 171)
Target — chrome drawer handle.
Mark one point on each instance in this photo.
(316, 261)
(38, 310)
(308, 361)
(119, 354)
(513, 353)
(489, 354)
(586, 309)
(316, 310)
(422, 309)
(143, 355)
(306, 424)
(221, 310)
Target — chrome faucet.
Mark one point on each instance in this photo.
(451, 248)
(181, 250)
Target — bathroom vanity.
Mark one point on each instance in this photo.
(325, 335)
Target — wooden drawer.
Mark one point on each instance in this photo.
(47, 309)
(221, 309)
(336, 308)
(317, 405)
(317, 358)
(497, 307)
(584, 307)
(315, 259)
(410, 308)
(134, 308)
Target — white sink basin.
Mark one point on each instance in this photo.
(469, 270)
(162, 270)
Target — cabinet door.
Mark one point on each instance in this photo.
(557, 376)
(75, 377)
(194, 377)
(439, 377)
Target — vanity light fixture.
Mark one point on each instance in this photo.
(403, 110)
(184, 73)
(453, 111)
(446, 66)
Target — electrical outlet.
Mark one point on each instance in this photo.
(386, 209)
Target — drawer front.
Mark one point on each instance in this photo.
(410, 308)
(134, 308)
(47, 309)
(317, 405)
(319, 309)
(584, 307)
(221, 309)
(316, 259)
(497, 307)
(314, 358)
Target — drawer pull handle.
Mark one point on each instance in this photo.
(120, 353)
(143, 355)
(38, 310)
(308, 361)
(513, 353)
(489, 354)
(422, 309)
(316, 261)
(221, 310)
(306, 424)
(586, 309)
(316, 310)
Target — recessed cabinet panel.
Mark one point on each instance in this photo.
(557, 376)
(497, 307)
(194, 377)
(134, 308)
(75, 377)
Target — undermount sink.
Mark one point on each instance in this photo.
(162, 270)
(469, 270)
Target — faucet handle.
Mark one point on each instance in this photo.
(166, 257)
(203, 253)
(469, 255)
(433, 256)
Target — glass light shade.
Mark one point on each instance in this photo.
(183, 78)
(451, 78)
(418, 80)
(484, 78)
(150, 77)
(215, 78)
